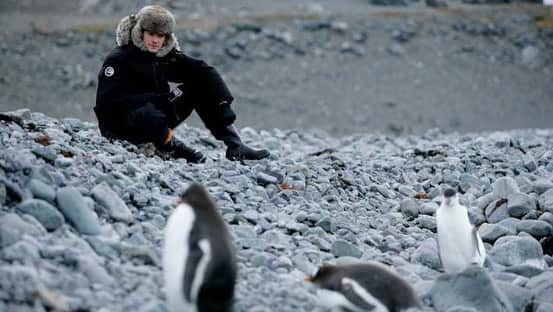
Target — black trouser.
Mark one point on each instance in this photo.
(150, 123)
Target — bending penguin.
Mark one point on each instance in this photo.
(199, 261)
(365, 286)
(459, 243)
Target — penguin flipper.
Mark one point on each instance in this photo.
(439, 253)
(360, 297)
(198, 259)
(479, 250)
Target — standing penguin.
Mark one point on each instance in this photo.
(366, 286)
(459, 243)
(199, 261)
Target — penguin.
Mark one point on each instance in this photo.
(459, 243)
(364, 286)
(199, 259)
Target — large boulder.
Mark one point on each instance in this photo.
(472, 288)
(517, 250)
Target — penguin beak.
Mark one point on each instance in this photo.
(308, 279)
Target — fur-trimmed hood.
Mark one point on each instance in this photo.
(152, 17)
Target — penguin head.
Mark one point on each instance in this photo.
(449, 192)
(198, 198)
(450, 196)
(322, 276)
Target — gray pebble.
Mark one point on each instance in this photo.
(516, 250)
(472, 288)
(491, 232)
(13, 227)
(44, 212)
(536, 228)
(114, 205)
(74, 208)
(42, 190)
(519, 204)
(342, 248)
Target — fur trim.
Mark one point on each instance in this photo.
(153, 18)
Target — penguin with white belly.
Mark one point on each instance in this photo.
(364, 286)
(199, 261)
(459, 243)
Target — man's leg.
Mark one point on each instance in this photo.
(218, 118)
(149, 124)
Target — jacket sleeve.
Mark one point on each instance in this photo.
(201, 76)
(115, 92)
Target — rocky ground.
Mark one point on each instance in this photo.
(82, 218)
(341, 66)
(343, 93)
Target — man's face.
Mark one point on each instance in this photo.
(153, 42)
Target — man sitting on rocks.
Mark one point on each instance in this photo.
(134, 101)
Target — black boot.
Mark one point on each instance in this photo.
(178, 149)
(236, 150)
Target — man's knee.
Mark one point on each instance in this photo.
(148, 124)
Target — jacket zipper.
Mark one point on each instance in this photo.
(154, 63)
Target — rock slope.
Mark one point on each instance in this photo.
(82, 217)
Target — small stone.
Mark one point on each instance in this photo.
(542, 185)
(491, 232)
(427, 254)
(542, 287)
(547, 217)
(42, 190)
(74, 208)
(114, 205)
(409, 208)
(342, 248)
(531, 57)
(13, 227)
(24, 252)
(518, 296)
(519, 204)
(429, 208)
(497, 210)
(63, 162)
(18, 283)
(536, 228)
(546, 201)
(3, 193)
(511, 224)
(525, 270)
(43, 211)
(426, 222)
(505, 186)
(102, 248)
(264, 179)
(327, 224)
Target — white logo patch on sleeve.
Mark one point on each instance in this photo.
(109, 71)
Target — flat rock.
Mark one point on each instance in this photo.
(13, 227)
(536, 228)
(491, 232)
(44, 212)
(78, 213)
(472, 288)
(517, 250)
(114, 205)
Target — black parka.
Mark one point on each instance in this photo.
(131, 78)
